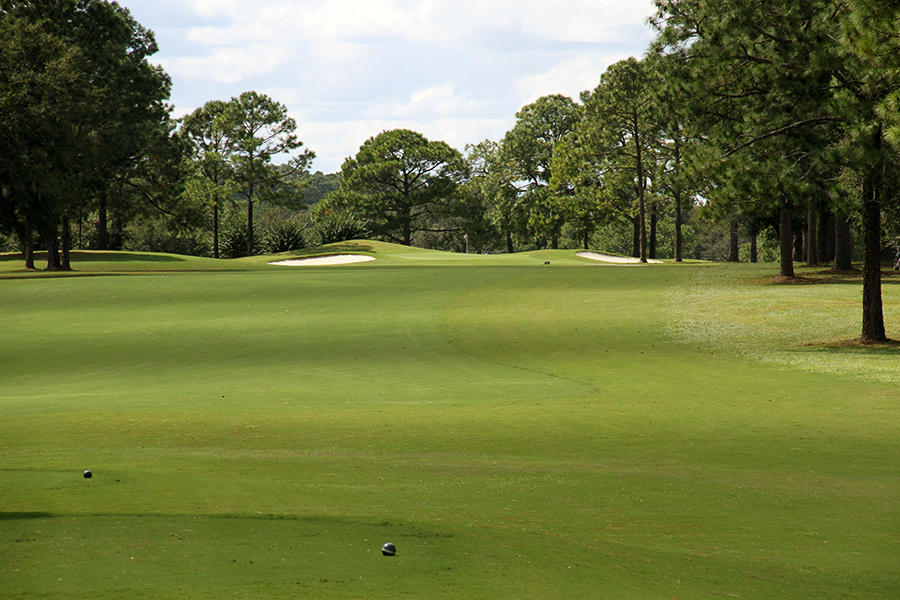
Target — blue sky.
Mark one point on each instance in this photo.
(453, 70)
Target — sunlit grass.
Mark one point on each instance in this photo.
(517, 429)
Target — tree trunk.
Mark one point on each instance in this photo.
(843, 252)
(216, 225)
(873, 315)
(654, 220)
(509, 242)
(676, 194)
(102, 225)
(679, 240)
(28, 247)
(636, 238)
(734, 243)
(28, 243)
(66, 264)
(249, 227)
(640, 181)
(798, 246)
(754, 250)
(407, 231)
(554, 242)
(825, 235)
(785, 240)
(53, 262)
(812, 243)
(587, 237)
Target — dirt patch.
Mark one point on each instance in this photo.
(866, 344)
(795, 280)
(857, 343)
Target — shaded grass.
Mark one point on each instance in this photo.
(515, 430)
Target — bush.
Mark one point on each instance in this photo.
(338, 227)
(9, 244)
(283, 237)
(233, 241)
(156, 235)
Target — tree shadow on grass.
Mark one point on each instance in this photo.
(351, 246)
(830, 276)
(348, 247)
(88, 257)
(12, 516)
(886, 347)
(118, 257)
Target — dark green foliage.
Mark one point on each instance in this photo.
(401, 184)
(283, 236)
(233, 241)
(83, 112)
(790, 97)
(147, 234)
(331, 227)
(319, 185)
(528, 150)
(608, 160)
(260, 129)
(235, 143)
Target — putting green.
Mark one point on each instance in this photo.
(565, 431)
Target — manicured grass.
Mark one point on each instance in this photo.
(516, 429)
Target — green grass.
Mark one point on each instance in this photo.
(516, 429)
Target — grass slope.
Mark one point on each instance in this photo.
(571, 431)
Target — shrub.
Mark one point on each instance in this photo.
(337, 227)
(233, 241)
(283, 237)
(156, 235)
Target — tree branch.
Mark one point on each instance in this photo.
(781, 130)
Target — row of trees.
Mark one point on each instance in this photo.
(88, 137)
(764, 114)
(82, 113)
(234, 145)
(795, 105)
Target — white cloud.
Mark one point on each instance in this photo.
(334, 142)
(568, 78)
(456, 70)
(213, 8)
(589, 21)
(307, 21)
(434, 102)
(229, 65)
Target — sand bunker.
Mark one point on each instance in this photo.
(611, 259)
(337, 259)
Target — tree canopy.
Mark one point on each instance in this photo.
(401, 183)
(528, 151)
(83, 106)
(235, 144)
(789, 94)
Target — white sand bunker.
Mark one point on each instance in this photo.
(335, 259)
(609, 258)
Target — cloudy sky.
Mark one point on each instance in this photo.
(453, 70)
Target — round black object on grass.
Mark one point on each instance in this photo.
(389, 549)
(88, 474)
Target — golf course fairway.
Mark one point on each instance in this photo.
(519, 426)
